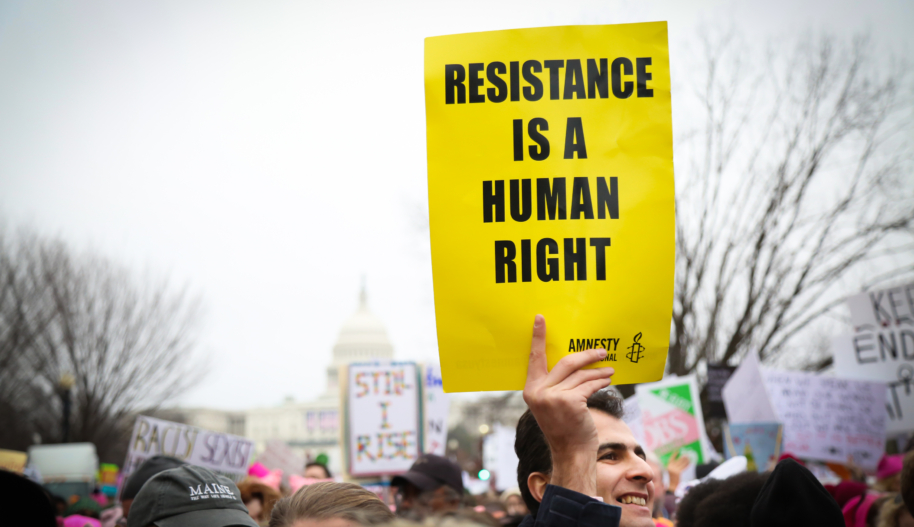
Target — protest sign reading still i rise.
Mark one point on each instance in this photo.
(382, 418)
(550, 173)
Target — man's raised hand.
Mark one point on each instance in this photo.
(558, 401)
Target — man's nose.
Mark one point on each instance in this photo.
(640, 470)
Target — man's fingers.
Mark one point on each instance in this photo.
(537, 367)
(591, 387)
(572, 363)
(581, 376)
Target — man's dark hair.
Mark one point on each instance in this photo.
(732, 504)
(686, 511)
(533, 452)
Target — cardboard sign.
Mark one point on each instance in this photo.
(745, 396)
(383, 427)
(671, 419)
(827, 418)
(224, 454)
(435, 407)
(550, 182)
(759, 443)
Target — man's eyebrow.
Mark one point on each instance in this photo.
(640, 452)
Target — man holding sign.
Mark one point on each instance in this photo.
(550, 179)
(574, 450)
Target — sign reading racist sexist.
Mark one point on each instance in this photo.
(550, 177)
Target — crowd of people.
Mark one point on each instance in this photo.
(579, 465)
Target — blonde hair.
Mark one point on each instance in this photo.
(331, 500)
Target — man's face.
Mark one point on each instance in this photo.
(624, 478)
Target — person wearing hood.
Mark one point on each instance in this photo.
(792, 496)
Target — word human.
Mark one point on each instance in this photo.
(464, 84)
(552, 203)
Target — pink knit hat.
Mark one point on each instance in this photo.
(857, 508)
(81, 521)
(889, 466)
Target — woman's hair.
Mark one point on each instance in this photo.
(891, 510)
(331, 500)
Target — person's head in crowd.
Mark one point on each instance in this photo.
(888, 473)
(259, 498)
(60, 504)
(316, 470)
(25, 502)
(514, 502)
(848, 490)
(907, 481)
(731, 504)
(331, 504)
(685, 513)
(624, 478)
(792, 496)
(433, 485)
(142, 474)
(894, 513)
(189, 496)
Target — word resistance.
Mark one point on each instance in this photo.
(505, 80)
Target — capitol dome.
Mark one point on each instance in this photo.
(362, 338)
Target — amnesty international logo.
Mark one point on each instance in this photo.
(636, 349)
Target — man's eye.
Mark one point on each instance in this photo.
(609, 456)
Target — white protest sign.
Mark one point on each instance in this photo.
(826, 418)
(498, 456)
(631, 415)
(382, 407)
(224, 454)
(744, 394)
(856, 358)
(672, 420)
(883, 308)
(435, 406)
(882, 349)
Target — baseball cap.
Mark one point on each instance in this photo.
(189, 496)
(430, 472)
(146, 470)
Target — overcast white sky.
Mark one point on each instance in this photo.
(268, 154)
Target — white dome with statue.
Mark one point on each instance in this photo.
(362, 338)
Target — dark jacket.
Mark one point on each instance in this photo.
(566, 508)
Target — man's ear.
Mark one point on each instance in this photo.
(537, 482)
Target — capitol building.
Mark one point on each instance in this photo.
(309, 428)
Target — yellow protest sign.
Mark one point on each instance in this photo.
(13, 460)
(550, 182)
